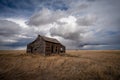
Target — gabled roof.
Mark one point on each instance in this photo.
(50, 39)
(46, 39)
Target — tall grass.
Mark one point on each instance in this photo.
(73, 65)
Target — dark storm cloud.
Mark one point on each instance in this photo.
(20, 43)
(91, 0)
(8, 28)
(71, 36)
(56, 4)
(8, 32)
(12, 35)
(10, 8)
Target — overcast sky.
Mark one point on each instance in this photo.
(77, 24)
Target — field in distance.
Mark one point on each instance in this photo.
(73, 65)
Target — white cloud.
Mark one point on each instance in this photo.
(87, 20)
(45, 16)
(66, 28)
(18, 21)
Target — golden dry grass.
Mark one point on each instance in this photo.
(74, 65)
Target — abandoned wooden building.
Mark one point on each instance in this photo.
(46, 46)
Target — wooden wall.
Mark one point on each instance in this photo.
(45, 47)
(37, 46)
(51, 48)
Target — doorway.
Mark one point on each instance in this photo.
(31, 49)
(52, 49)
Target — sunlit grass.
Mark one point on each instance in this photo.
(73, 65)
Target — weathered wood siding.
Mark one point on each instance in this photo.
(52, 48)
(41, 45)
(47, 47)
(37, 46)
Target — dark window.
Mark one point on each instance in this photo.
(56, 49)
(52, 49)
(35, 49)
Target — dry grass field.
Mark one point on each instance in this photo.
(74, 65)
